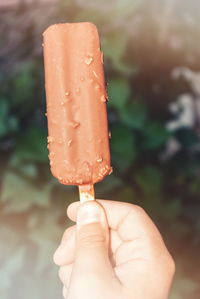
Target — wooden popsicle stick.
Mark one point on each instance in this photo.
(86, 193)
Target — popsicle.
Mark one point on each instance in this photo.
(76, 106)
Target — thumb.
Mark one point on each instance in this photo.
(92, 237)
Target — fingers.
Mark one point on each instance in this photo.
(130, 220)
(136, 244)
(130, 223)
(64, 292)
(68, 233)
(65, 274)
(137, 224)
(115, 211)
(115, 241)
(64, 254)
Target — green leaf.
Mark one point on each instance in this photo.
(134, 114)
(114, 47)
(179, 229)
(187, 137)
(31, 147)
(13, 123)
(109, 184)
(8, 123)
(3, 115)
(154, 136)
(172, 209)
(90, 15)
(20, 195)
(194, 186)
(124, 9)
(127, 194)
(118, 91)
(122, 147)
(29, 170)
(149, 180)
(24, 84)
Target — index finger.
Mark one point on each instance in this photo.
(129, 220)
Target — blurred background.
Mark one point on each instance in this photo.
(152, 64)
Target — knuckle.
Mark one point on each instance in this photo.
(64, 274)
(61, 274)
(136, 212)
(139, 210)
(68, 233)
(56, 259)
(92, 239)
(171, 266)
(167, 266)
(64, 292)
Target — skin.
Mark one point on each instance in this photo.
(113, 252)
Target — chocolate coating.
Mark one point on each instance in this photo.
(76, 104)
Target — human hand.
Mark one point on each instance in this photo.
(114, 252)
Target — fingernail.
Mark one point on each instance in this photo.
(89, 212)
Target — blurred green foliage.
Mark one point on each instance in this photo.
(168, 188)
